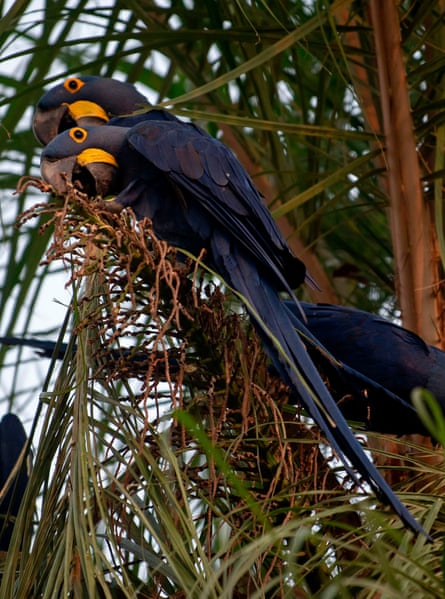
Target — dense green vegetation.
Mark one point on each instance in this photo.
(337, 111)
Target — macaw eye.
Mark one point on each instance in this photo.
(73, 84)
(78, 135)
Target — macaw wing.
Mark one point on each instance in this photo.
(385, 352)
(207, 171)
(366, 399)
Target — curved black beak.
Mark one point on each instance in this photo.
(58, 172)
(46, 124)
(95, 178)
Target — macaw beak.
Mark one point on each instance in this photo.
(94, 178)
(50, 122)
(46, 124)
(58, 172)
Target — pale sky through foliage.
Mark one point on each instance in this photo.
(53, 298)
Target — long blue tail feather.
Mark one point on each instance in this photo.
(291, 360)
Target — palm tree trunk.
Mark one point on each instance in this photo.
(413, 233)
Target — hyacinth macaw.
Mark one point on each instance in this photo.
(198, 196)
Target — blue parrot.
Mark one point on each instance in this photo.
(199, 197)
(12, 441)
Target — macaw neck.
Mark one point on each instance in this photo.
(132, 166)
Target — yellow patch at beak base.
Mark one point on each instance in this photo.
(84, 109)
(96, 155)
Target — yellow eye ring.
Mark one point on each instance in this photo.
(73, 84)
(78, 134)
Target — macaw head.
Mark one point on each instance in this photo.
(84, 101)
(87, 157)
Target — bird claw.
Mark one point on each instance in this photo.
(110, 205)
